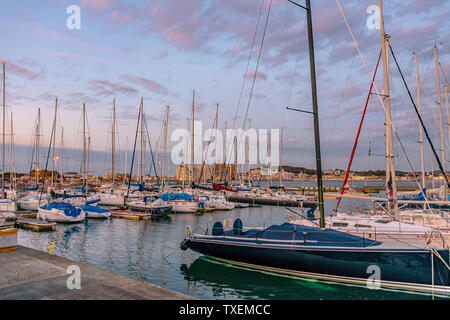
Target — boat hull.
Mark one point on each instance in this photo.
(55, 215)
(408, 268)
(273, 202)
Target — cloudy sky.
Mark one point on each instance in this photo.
(162, 50)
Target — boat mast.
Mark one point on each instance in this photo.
(3, 138)
(166, 122)
(126, 158)
(38, 130)
(280, 171)
(440, 119)
(84, 147)
(248, 154)
(141, 158)
(192, 139)
(315, 114)
(62, 156)
(113, 130)
(13, 165)
(448, 115)
(422, 162)
(53, 146)
(52, 140)
(390, 165)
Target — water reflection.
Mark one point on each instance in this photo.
(228, 281)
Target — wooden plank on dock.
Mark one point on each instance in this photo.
(130, 215)
(27, 214)
(35, 225)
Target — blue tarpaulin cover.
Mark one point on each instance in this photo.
(176, 196)
(69, 210)
(90, 208)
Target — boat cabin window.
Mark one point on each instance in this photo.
(362, 226)
(383, 221)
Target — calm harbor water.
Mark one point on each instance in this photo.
(149, 251)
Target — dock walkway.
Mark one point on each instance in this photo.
(31, 274)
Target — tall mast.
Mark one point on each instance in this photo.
(166, 122)
(226, 166)
(185, 169)
(61, 170)
(390, 165)
(3, 138)
(440, 118)
(142, 142)
(448, 115)
(192, 138)
(248, 154)
(53, 144)
(84, 146)
(315, 114)
(126, 158)
(422, 162)
(113, 131)
(38, 130)
(281, 158)
(215, 142)
(13, 169)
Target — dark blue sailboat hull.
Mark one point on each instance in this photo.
(409, 266)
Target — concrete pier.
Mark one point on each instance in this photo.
(31, 274)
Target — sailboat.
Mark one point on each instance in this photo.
(415, 226)
(6, 204)
(322, 253)
(32, 199)
(58, 211)
(109, 198)
(92, 211)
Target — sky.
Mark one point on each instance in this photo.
(162, 50)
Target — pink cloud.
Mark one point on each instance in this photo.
(148, 84)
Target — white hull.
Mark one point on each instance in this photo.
(8, 205)
(56, 215)
(183, 206)
(97, 215)
(110, 199)
(31, 204)
(384, 230)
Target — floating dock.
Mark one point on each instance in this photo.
(35, 275)
(35, 224)
(131, 215)
(273, 202)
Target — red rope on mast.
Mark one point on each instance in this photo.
(357, 135)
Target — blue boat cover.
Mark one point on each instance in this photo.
(69, 210)
(313, 236)
(176, 196)
(30, 189)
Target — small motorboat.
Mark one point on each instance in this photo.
(157, 208)
(61, 212)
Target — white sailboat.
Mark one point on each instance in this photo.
(6, 204)
(388, 228)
